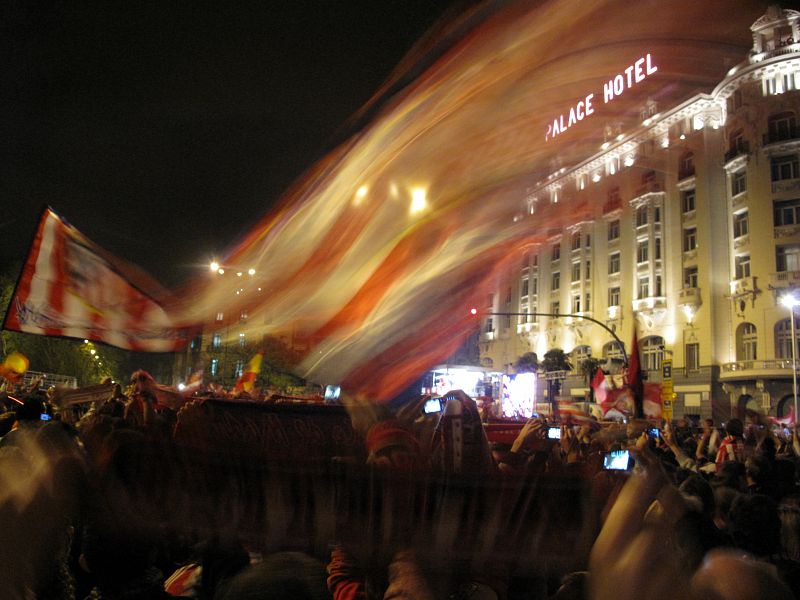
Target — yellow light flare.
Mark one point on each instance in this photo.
(418, 200)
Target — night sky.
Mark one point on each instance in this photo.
(163, 130)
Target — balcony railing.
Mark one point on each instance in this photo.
(745, 285)
(651, 187)
(649, 303)
(784, 279)
(757, 365)
(689, 296)
(739, 149)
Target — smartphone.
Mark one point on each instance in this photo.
(617, 460)
(44, 417)
(554, 433)
(434, 405)
(654, 432)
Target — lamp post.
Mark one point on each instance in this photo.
(789, 301)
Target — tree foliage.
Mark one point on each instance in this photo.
(527, 363)
(556, 360)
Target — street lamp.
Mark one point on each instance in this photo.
(790, 302)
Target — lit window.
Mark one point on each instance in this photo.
(613, 263)
(613, 230)
(738, 183)
(782, 127)
(220, 316)
(786, 212)
(644, 287)
(642, 251)
(239, 368)
(740, 224)
(243, 315)
(641, 216)
(242, 339)
(787, 258)
(689, 239)
(652, 350)
(687, 200)
(690, 277)
(216, 340)
(742, 266)
(214, 366)
(784, 167)
(692, 357)
(783, 339)
(746, 342)
(576, 271)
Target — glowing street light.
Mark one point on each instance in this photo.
(251, 272)
(214, 266)
(790, 302)
(417, 200)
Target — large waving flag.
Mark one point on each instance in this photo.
(70, 287)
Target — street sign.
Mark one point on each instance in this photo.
(666, 389)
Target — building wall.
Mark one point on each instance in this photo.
(646, 170)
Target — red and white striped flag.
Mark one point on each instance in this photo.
(70, 287)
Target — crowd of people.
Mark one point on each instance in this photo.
(113, 503)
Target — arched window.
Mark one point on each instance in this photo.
(580, 354)
(782, 126)
(746, 342)
(613, 351)
(783, 339)
(652, 352)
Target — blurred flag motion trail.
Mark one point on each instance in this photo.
(374, 257)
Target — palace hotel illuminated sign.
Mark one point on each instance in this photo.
(640, 70)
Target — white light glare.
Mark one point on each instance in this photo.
(221, 271)
(214, 266)
(789, 301)
(629, 161)
(418, 200)
(251, 272)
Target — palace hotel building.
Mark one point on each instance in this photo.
(695, 247)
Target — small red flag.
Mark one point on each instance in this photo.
(599, 386)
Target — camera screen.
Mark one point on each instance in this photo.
(554, 433)
(433, 405)
(616, 460)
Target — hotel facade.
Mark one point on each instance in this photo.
(693, 241)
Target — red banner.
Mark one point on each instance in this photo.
(70, 287)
